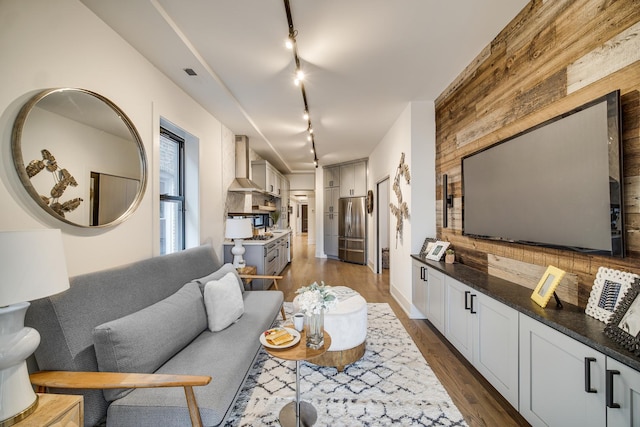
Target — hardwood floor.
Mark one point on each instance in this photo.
(477, 400)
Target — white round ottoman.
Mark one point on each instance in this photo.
(347, 326)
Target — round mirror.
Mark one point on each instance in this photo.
(80, 157)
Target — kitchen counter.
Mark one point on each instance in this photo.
(571, 320)
(269, 256)
(253, 242)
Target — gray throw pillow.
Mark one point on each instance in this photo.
(223, 301)
(219, 274)
(143, 341)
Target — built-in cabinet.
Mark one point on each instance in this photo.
(331, 198)
(589, 388)
(623, 400)
(429, 294)
(353, 179)
(268, 177)
(342, 180)
(331, 210)
(275, 184)
(562, 381)
(551, 378)
(332, 176)
(485, 331)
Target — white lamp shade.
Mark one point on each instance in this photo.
(32, 264)
(238, 228)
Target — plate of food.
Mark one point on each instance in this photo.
(280, 338)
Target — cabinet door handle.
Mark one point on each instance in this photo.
(609, 389)
(466, 300)
(587, 375)
(471, 308)
(422, 273)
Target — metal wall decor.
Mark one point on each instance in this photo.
(401, 210)
(61, 178)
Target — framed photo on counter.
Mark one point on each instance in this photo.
(437, 251)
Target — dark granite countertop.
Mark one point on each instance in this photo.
(571, 320)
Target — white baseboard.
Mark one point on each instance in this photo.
(411, 311)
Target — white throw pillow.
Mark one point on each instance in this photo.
(223, 301)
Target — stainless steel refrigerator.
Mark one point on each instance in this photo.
(352, 230)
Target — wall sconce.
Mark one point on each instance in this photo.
(447, 201)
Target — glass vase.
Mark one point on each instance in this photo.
(315, 330)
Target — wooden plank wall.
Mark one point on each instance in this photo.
(554, 56)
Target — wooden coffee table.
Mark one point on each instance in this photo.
(298, 413)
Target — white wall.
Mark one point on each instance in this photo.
(414, 134)
(61, 43)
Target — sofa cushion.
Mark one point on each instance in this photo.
(219, 274)
(143, 341)
(223, 301)
(226, 356)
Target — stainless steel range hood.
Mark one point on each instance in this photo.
(242, 183)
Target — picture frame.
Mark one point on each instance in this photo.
(437, 251)
(609, 287)
(547, 285)
(427, 246)
(624, 324)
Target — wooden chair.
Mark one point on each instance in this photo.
(110, 380)
(274, 285)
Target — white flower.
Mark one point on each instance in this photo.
(313, 299)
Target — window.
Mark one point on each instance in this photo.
(172, 201)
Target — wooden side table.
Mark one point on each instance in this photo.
(56, 410)
(298, 413)
(247, 270)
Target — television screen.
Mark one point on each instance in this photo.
(557, 184)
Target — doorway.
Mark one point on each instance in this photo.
(382, 225)
(304, 209)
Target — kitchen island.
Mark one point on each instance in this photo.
(270, 255)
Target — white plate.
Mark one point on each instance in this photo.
(296, 339)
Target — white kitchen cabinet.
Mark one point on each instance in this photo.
(562, 381)
(353, 179)
(485, 331)
(266, 176)
(331, 199)
(458, 319)
(420, 286)
(332, 176)
(622, 397)
(331, 234)
(331, 203)
(437, 299)
(495, 345)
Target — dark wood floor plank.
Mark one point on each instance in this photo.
(477, 400)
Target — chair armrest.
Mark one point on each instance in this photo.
(258, 276)
(108, 380)
(103, 380)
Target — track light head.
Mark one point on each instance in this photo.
(305, 115)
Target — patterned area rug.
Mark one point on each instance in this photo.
(391, 385)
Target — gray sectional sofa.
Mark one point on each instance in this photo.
(150, 316)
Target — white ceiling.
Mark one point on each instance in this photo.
(365, 60)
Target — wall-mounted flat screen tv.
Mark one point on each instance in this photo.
(557, 185)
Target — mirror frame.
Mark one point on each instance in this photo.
(18, 160)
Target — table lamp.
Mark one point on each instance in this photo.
(238, 229)
(32, 266)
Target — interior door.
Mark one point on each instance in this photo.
(305, 218)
